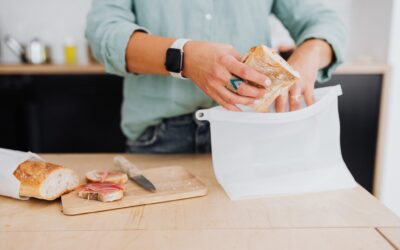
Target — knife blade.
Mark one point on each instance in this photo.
(134, 173)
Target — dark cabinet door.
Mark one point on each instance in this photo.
(359, 118)
(75, 114)
(12, 112)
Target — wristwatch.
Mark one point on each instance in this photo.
(174, 58)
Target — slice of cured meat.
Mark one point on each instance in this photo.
(102, 191)
(106, 176)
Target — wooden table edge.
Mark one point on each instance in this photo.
(395, 243)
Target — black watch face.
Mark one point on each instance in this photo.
(173, 62)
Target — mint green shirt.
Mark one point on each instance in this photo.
(243, 23)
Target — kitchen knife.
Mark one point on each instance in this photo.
(134, 173)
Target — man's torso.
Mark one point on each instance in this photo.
(150, 98)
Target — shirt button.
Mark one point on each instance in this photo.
(208, 17)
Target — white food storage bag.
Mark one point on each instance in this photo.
(269, 154)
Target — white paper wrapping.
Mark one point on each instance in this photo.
(9, 161)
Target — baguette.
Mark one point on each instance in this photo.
(44, 180)
(270, 63)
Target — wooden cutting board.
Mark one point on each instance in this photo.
(172, 183)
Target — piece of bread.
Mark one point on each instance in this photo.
(270, 63)
(45, 180)
(101, 191)
(106, 176)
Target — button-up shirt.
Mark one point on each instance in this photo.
(243, 23)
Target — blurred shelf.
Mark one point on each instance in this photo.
(49, 69)
(362, 69)
(20, 69)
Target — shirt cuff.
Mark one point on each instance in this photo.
(337, 48)
(117, 48)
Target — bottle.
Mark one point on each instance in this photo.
(70, 52)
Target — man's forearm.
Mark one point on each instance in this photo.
(145, 54)
(319, 50)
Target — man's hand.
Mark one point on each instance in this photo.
(307, 59)
(212, 65)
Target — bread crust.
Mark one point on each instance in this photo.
(107, 197)
(268, 62)
(271, 64)
(280, 73)
(33, 174)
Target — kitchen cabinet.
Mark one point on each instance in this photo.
(13, 132)
(359, 109)
(61, 113)
(74, 111)
(76, 114)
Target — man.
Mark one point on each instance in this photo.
(142, 40)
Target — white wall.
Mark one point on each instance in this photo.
(49, 20)
(370, 29)
(368, 25)
(55, 20)
(389, 161)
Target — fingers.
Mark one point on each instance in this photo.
(217, 97)
(309, 97)
(226, 105)
(221, 75)
(281, 102)
(232, 98)
(294, 97)
(227, 98)
(244, 71)
(250, 91)
(236, 55)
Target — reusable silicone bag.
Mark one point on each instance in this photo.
(270, 154)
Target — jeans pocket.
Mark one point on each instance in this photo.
(147, 138)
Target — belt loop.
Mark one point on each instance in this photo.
(202, 136)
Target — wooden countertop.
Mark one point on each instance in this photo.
(347, 68)
(391, 234)
(342, 219)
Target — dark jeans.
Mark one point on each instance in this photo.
(181, 134)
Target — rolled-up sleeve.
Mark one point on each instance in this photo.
(306, 19)
(110, 24)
